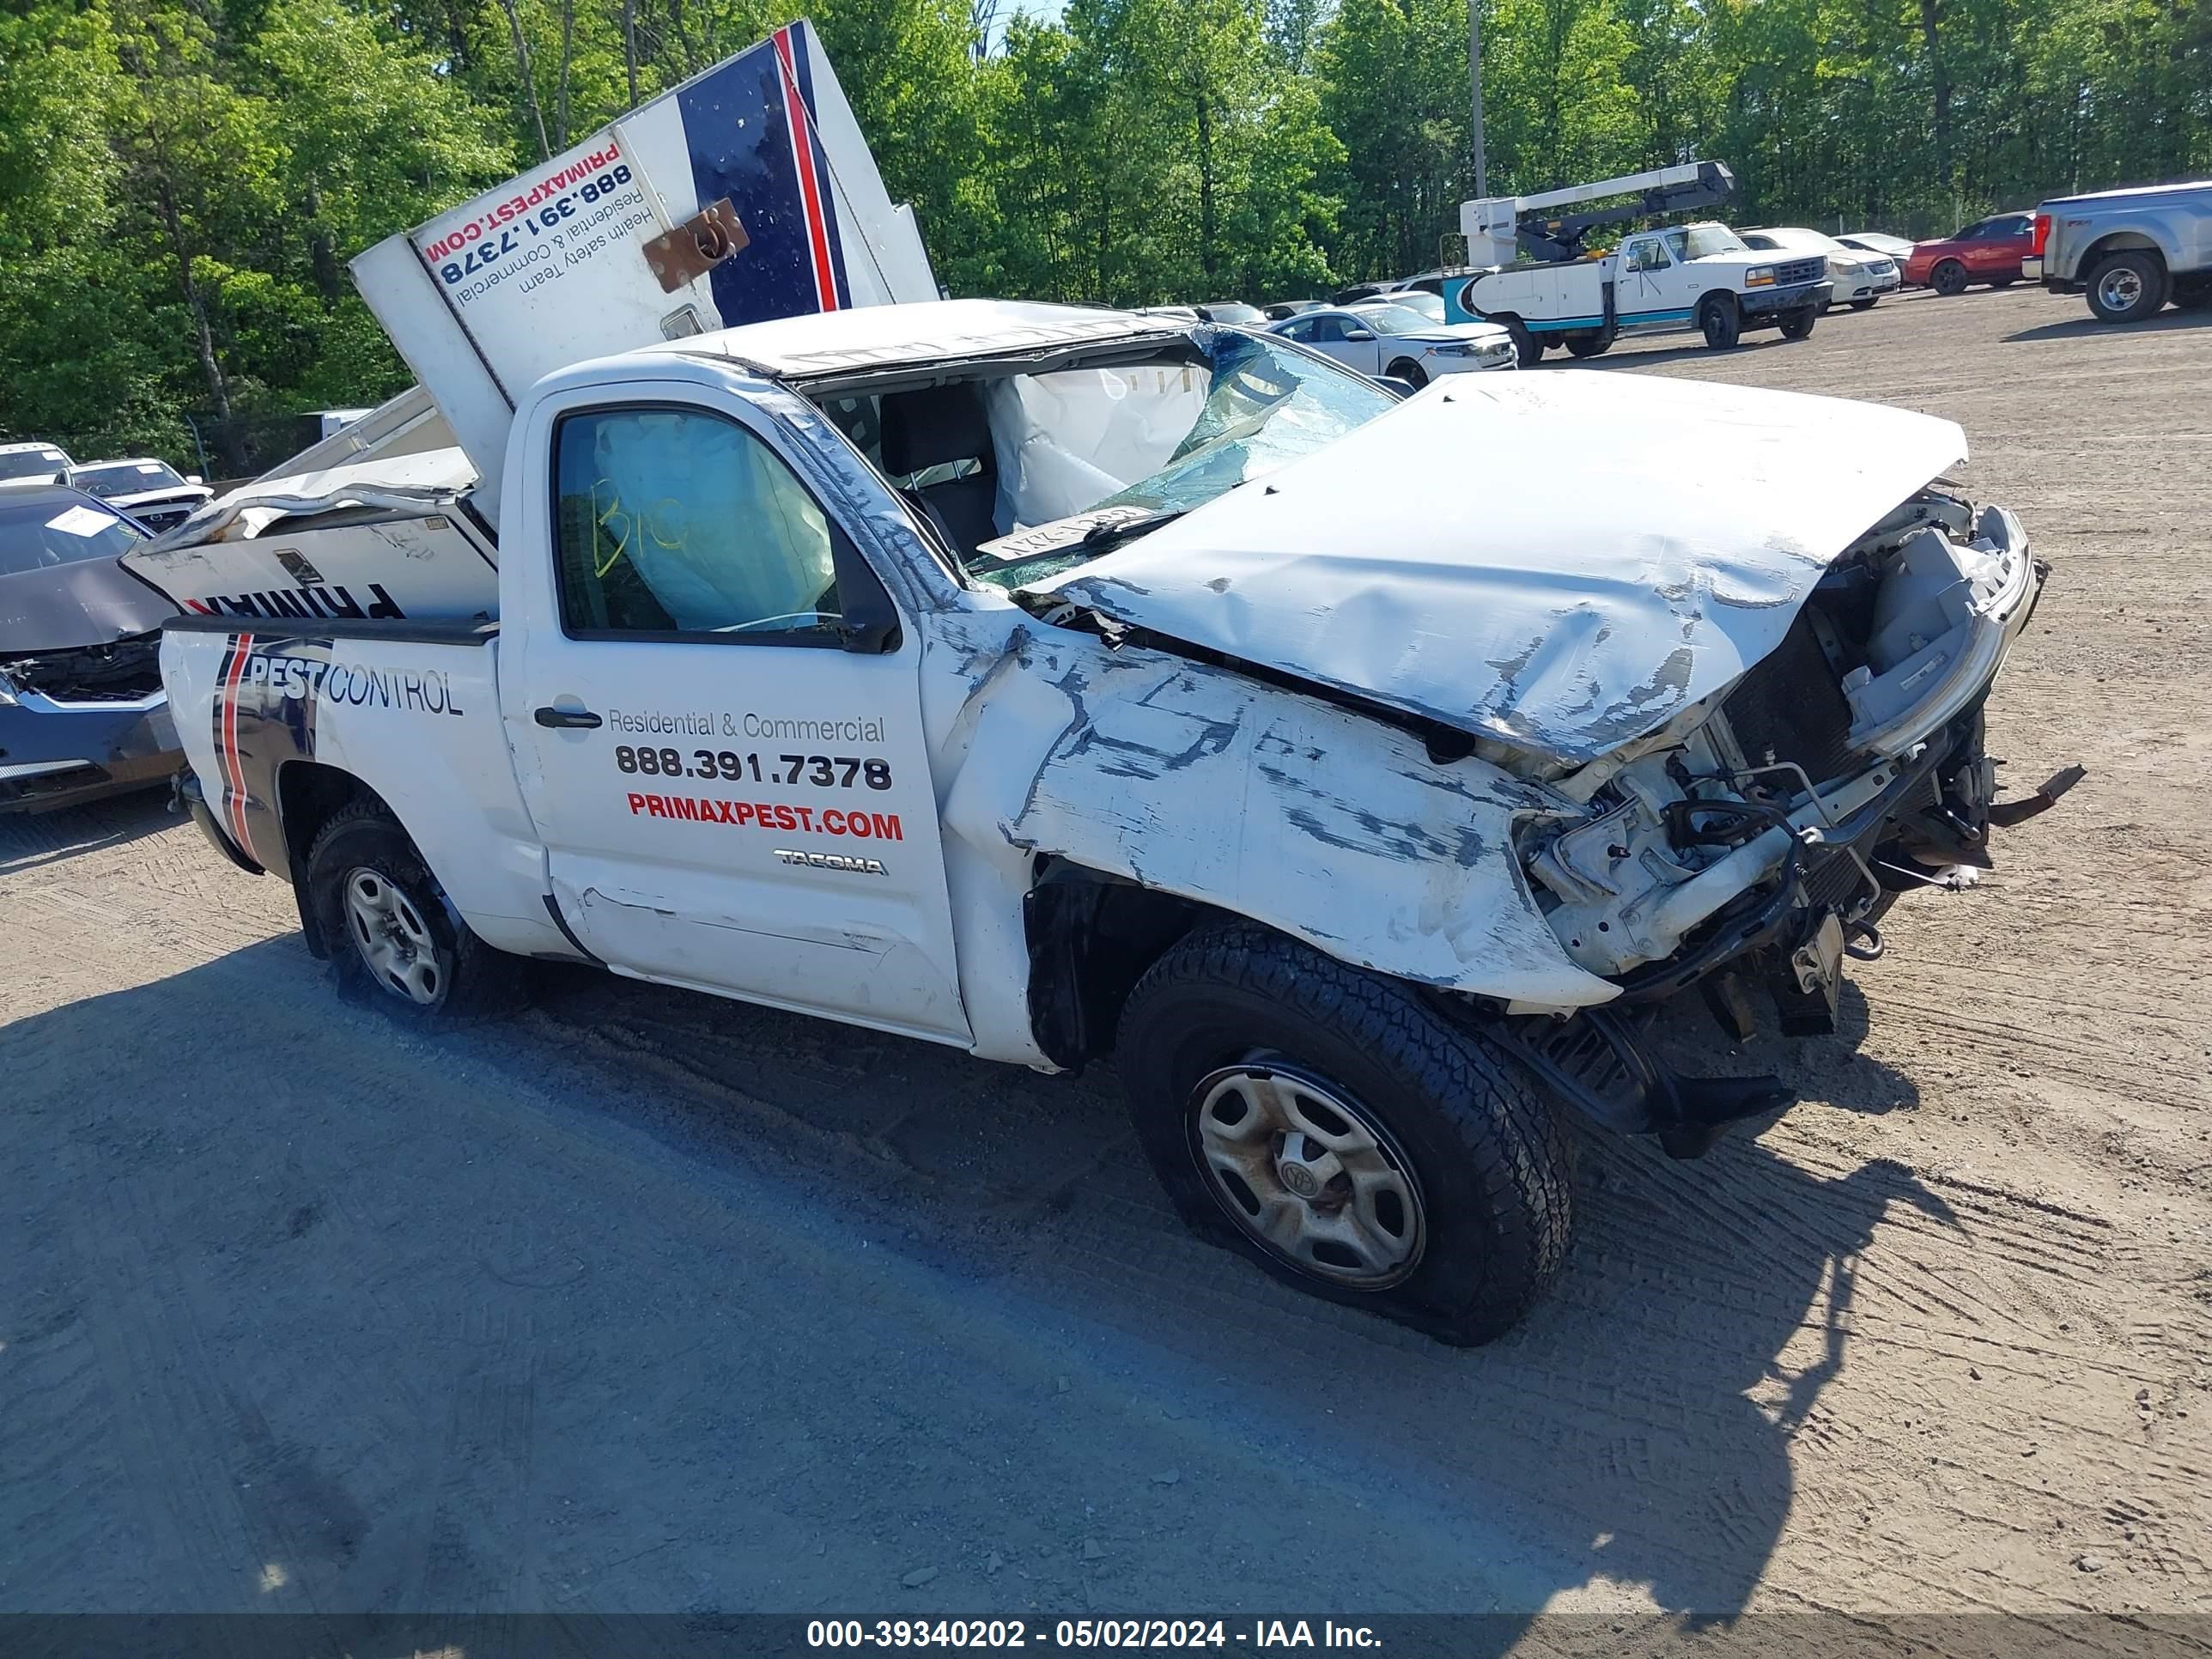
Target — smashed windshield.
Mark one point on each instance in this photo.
(1154, 441)
(1021, 476)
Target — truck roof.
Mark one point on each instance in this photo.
(2131, 190)
(868, 338)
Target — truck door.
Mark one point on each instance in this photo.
(731, 795)
(1646, 281)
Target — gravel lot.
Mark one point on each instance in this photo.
(648, 1302)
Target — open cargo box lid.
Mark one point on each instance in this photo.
(745, 194)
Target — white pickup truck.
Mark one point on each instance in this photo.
(1066, 684)
(1700, 276)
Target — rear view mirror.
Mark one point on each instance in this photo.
(194, 478)
(1360, 334)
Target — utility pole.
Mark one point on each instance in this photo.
(1475, 81)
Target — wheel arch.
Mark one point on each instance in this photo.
(309, 794)
(2121, 241)
(1092, 935)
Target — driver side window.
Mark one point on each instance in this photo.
(1648, 256)
(676, 521)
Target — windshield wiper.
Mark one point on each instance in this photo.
(1101, 536)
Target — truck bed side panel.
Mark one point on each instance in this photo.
(394, 567)
(413, 714)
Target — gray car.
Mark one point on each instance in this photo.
(81, 710)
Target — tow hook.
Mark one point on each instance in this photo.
(1865, 943)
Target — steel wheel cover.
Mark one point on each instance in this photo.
(1308, 1174)
(389, 934)
(2121, 289)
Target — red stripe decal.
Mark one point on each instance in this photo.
(810, 186)
(233, 780)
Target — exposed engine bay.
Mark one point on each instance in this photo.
(126, 671)
(1758, 840)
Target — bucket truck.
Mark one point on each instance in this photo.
(1530, 268)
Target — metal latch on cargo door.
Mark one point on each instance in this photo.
(695, 246)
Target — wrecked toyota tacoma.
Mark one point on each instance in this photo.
(1067, 685)
(82, 710)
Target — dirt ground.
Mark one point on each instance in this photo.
(650, 1303)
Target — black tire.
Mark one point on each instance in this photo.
(1948, 278)
(2129, 287)
(1797, 324)
(2003, 281)
(1526, 346)
(466, 978)
(1720, 321)
(1491, 1216)
(1591, 343)
(1410, 372)
(1864, 305)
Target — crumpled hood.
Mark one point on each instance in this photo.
(1560, 560)
(66, 607)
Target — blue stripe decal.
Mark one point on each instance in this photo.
(750, 164)
(1627, 320)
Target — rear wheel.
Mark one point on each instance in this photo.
(1334, 1127)
(2003, 281)
(2194, 298)
(1797, 324)
(1410, 372)
(1720, 321)
(2128, 285)
(392, 937)
(1948, 278)
(1591, 343)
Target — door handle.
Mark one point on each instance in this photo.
(564, 719)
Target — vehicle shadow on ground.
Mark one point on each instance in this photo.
(2164, 323)
(1693, 349)
(1636, 1430)
(1638, 1427)
(28, 840)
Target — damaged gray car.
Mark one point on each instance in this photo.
(82, 710)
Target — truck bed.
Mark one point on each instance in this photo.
(413, 704)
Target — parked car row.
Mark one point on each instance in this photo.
(151, 491)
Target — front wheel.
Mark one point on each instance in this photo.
(1410, 372)
(1332, 1126)
(2128, 287)
(1720, 321)
(1949, 279)
(392, 937)
(1527, 348)
(1797, 324)
(1862, 305)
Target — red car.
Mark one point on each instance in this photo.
(1987, 251)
